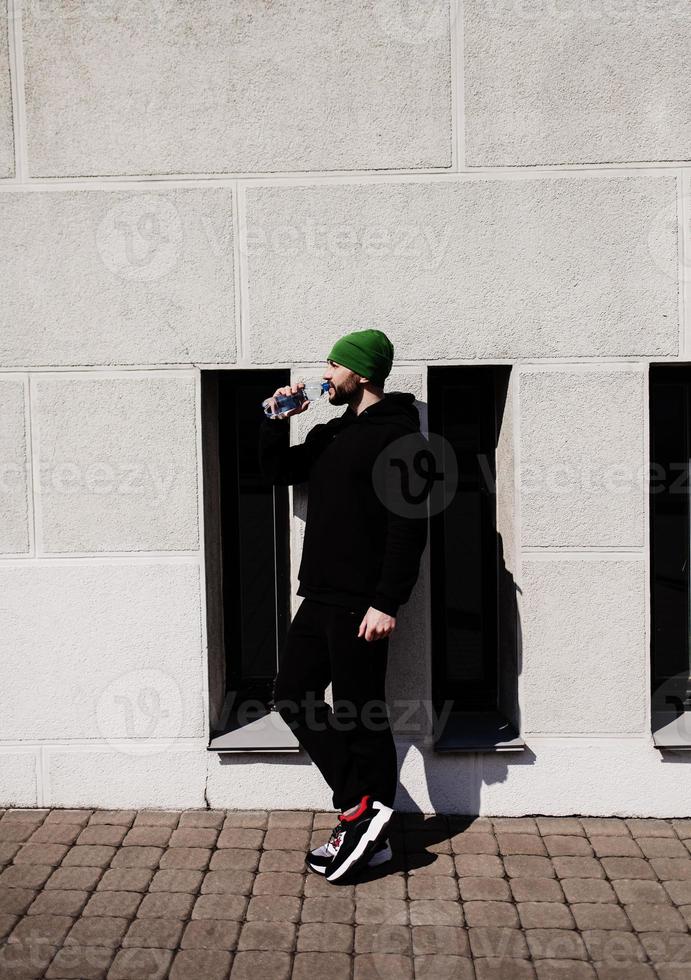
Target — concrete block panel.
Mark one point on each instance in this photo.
(82, 776)
(6, 122)
(117, 277)
(560, 266)
(237, 87)
(584, 646)
(117, 460)
(102, 651)
(583, 461)
(18, 776)
(573, 82)
(14, 468)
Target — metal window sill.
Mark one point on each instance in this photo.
(478, 731)
(672, 731)
(267, 733)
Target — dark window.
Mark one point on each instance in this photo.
(670, 452)
(248, 544)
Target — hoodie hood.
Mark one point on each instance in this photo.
(395, 408)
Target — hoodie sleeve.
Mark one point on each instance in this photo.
(282, 464)
(406, 537)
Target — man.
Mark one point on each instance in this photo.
(360, 560)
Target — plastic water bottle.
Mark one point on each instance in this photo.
(276, 408)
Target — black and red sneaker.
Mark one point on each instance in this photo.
(363, 831)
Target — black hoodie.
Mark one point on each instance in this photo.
(356, 551)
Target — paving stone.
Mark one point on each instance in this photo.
(489, 914)
(559, 825)
(132, 964)
(605, 827)
(562, 969)
(602, 915)
(384, 966)
(612, 946)
(194, 964)
(667, 947)
(50, 929)
(389, 885)
(654, 847)
(443, 965)
(240, 859)
(194, 837)
(521, 844)
(137, 857)
(25, 876)
(203, 818)
(624, 867)
(545, 915)
(81, 963)
(626, 971)
(75, 879)
(335, 909)
(147, 837)
(7, 852)
(536, 890)
(685, 910)
(253, 964)
(98, 931)
(124, 904)
(220, 907)
(228, 882)
(166, 905)
(118, 818)
(581, 867)
(154, 934)
(185, 859)
(683, 828)
(15, 901)
(656, 918)
(667, 869)
(638, 892)
(475, 844)
(498, 942)
(438, 864)
(30, 961)
(648, 827)
(157, 818)
(432, 842)
(567, 844)
(437, 912)
(254, 819)
(80, 817)
(217, 934)
(263, 935)
(88, 856)
(291, 819)
(616, 847)
(433, 887)
(278, 883)
(7, 924)
(678, 891)
(372, 911)
(282, 861)
(102, 834)
(59, 902)
(280, 908)
(434, 939)
(489, 968)
(479, 889)
(528, 866)
(41, 854)
(241, 837)
(177, 881)
(306, 966)
(383, 938)
(514, 825)
(559, 944)
(15, 832)
(56, 833)
(313, 937)
(588, 890)
(125, 879)
(24, 815)
(477, 865)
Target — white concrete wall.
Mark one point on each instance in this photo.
(187, 186)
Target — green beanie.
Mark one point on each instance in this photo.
(368, 353)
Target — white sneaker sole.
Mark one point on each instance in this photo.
(375, 828)
(380, 857)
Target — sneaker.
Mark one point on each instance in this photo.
(320, 858)
(362, 831)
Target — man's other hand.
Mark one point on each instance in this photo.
(376, 624)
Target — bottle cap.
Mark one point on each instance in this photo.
(325, 386)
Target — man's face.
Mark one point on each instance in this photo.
(344, 383)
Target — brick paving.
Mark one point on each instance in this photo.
(211, 895)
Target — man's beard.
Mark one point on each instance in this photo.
(344, 392)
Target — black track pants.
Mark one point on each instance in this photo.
(352, 745)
